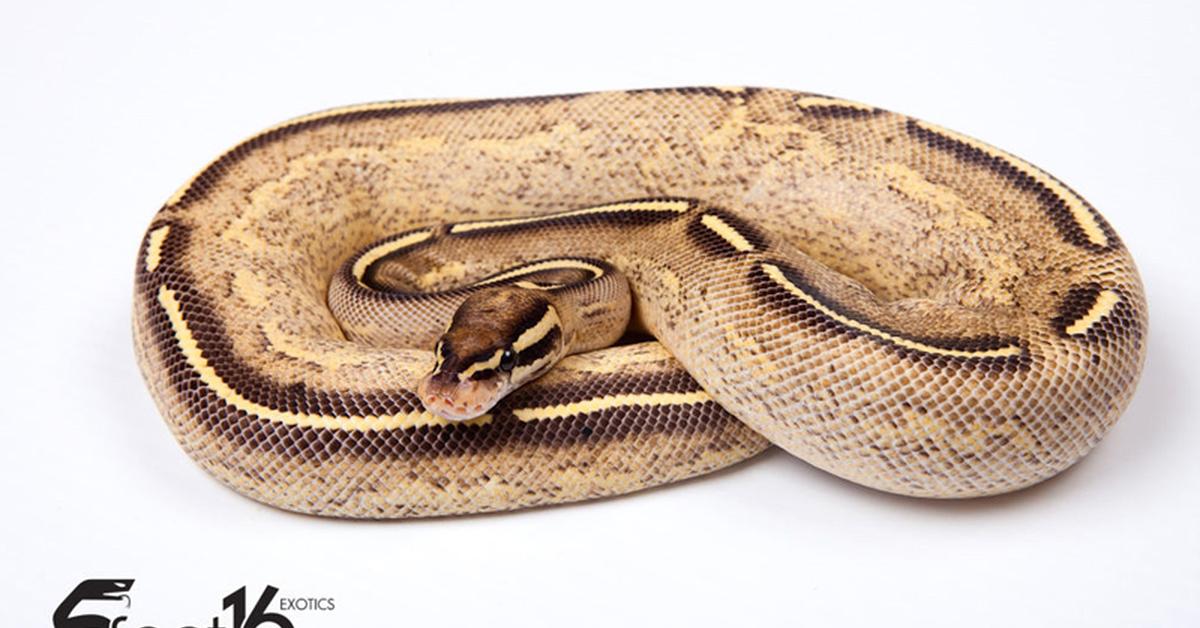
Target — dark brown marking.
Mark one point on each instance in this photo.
(835, 111)
(546, 345)
(803, 313)
(1054, 205)
(1120, 324)
(724, 94)
(616, 217)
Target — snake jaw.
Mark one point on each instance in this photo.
(445, 395)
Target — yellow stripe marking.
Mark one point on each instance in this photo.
(375, 106)
(1105, 302)
(370, 256)
(548, 265)
(1083, 217)
(529, 285)
(154, 248)
(482, 365)
(437, 356)
(778, 277)
(673, 206)
(195, 358)
(597, 404)
(727, 232)
(530, 336)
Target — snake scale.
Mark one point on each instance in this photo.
(895, 303)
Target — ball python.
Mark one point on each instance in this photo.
(898, 304)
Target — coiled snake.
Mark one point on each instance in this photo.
(892, 302)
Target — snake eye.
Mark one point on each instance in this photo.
(508, 359)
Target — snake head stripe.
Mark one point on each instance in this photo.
(499, 339)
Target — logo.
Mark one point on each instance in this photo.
(95, 590)
(95, 595)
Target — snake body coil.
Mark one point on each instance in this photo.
(903, 306)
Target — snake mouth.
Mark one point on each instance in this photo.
(444, 395)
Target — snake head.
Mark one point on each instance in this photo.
(499, 339)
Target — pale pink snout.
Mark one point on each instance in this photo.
(454, 400)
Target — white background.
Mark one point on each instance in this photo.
(106, 108)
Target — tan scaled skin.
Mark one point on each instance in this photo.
(903, 306)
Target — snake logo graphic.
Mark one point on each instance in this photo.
(93, 590)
